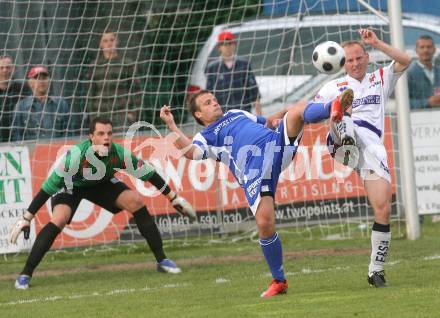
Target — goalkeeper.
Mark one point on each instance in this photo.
(87, 172)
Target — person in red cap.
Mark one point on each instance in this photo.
(37, 70)
(40, 116)
(11, 91)
(231, 78)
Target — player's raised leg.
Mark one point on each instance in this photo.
(131, 201)
(315, 112)
(379, 195)
(342, 127)
(340, 118)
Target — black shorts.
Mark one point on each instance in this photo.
(103, 194)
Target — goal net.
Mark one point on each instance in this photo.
(125, 59)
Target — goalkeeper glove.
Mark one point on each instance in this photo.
(22, 225)
(183, 207)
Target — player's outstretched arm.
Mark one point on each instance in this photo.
(180, 204)
(401, 58)
(258, 108)
(50, 186)
(182, 142)
(24, 224)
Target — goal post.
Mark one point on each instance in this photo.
(404, 131)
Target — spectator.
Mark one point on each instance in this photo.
(114, 91)
(40, 116)
(10, 93)
(424, 76)
(424, 80)
(231, 78)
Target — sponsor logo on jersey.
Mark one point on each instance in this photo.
(373, 81)
(342, 84)
(253, 187)
(370, 99)
(225, 123)
(374, 84)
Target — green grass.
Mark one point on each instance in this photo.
(326, 279)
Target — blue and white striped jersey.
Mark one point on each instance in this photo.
(255, 154)
(232, 139)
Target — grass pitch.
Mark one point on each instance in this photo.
(327, 278)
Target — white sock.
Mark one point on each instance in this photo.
(344, 127)
(350, 125)
(380, 243)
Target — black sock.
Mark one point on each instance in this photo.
(385, 228)
(150, 232)
(292, 140)
(42, 244)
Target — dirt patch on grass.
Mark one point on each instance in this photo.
(195, 261)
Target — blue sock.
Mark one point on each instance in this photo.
(273, 253)
(316, 112)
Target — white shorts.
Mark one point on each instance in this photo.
(372, 153)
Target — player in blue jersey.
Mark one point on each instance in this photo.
(256, 154)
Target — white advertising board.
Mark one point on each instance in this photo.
(426, 144)
(15, 195)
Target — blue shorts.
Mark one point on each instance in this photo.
(277, 152)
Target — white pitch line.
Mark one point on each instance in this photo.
(308, 271)
(304, 271)
(94, 294)
(392, 263)
(431, 258)
(222, 280)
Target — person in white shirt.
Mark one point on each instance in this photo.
(364, 122)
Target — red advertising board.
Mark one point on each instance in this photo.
(312, 176)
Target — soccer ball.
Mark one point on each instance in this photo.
(328, 57)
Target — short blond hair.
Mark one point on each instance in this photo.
(353, 42)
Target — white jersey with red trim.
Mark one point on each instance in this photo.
(370, 95)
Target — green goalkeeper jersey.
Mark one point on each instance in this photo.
(82, 167)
